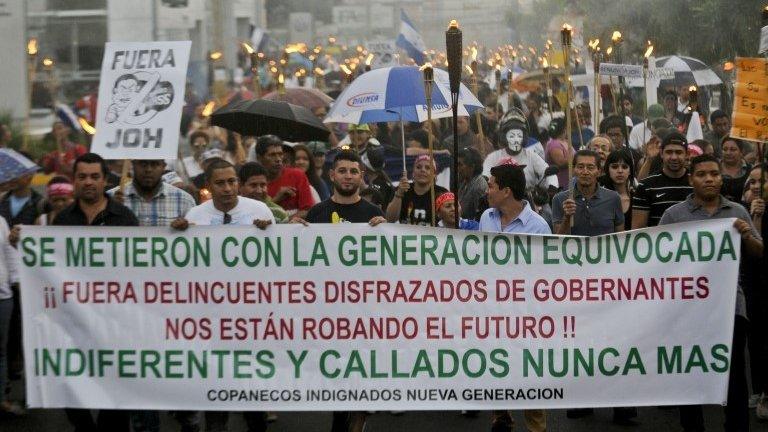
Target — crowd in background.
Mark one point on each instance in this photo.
(519, 171)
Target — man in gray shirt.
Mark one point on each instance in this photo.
(590, 210)
(707, 203)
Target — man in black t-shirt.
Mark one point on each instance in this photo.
(657, 193)
(345, 206)
(412, 203)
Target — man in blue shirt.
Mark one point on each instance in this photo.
(509, 212)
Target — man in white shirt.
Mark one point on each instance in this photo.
(225, 207)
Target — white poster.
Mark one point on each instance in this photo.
(383, 53)
(394, 317)
(141, 95)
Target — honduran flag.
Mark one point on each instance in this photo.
(410, 40)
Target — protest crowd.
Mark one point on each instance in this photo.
(524, 166)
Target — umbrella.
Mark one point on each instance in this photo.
(307, 97)
(14, 165)
(688, 71)
(397, 94)
(263, 117)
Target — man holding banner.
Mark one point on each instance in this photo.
(706, 203)
(225, 208)
(510, 213)
(346, 206)
(94, 208)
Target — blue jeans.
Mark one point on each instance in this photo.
(6, 308)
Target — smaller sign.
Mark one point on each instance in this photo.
(350, 17)
(750, 102)
(662, 73)
(623, 70)
(763, 40)
(383, 53)
(141, 95)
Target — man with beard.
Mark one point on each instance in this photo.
(412, 203)
(659, 192)
(513, 136)
(707, 203)
(153, 201)
(345, 204)
(92, 207)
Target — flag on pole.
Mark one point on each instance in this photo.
(259, 39)
(67, 116)
(410, 40)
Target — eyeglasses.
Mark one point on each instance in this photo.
(227, 218)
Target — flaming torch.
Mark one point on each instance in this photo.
(453, 43)
(566, 35)
(429, 80)
(254, 69)
(473, 69)
(646, 56)
(32, 51)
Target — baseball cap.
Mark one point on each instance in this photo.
(359, 127)
(674, 137)
(655, 111)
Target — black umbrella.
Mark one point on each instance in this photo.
(264, 117)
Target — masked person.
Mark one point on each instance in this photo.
(513, 134)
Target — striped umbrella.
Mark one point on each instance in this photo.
(688, 71)
(397, 94)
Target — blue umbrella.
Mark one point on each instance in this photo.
(397, 94)
(14, 165)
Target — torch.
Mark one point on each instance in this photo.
(497, 75)
(595, 46)
(368, 62)
(616, 41)
(509, 87)
(254, 69)
(32, 50)
(693, 98)
(473, 68)
(453, 50)
(547, 83)
(566, 34)
(429, 80)
(646, 56)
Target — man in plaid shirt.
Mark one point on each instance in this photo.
(154, 202)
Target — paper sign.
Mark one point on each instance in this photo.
(629, 71)
(383, 53)
(141, 95)
(750, 102)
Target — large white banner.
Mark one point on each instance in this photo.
(141, 95)
(349, 317)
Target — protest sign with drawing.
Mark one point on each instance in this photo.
(141, 95)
